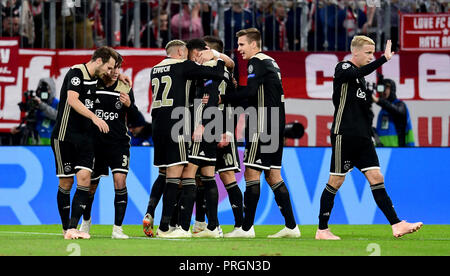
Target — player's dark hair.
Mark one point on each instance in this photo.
(196, 43)
(119, 61)
(252, 34)
(214, 43)
(105, 53)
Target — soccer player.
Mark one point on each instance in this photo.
(351, 136)
(264, 137)
(72, 136)
(171, 81)
(202, 153)
(227, 162)
(114, 100)
(159, 184)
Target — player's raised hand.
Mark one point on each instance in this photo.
(204, 56)
(387, 52)
(225, 140)
(101, 124)
(205, 99)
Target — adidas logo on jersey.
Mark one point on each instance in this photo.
(258, 161)
(202, 153)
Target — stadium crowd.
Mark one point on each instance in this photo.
(309, 25)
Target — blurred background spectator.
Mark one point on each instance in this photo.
(276, 30)
(187, 23)
(17, 21)
(155, 33)
(235, 18)
(139, 130)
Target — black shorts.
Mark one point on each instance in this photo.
(116, 157)
(169, 153)
(228, 158)
(262, 155)
(202, 153)
(352, 151)
(71, 157)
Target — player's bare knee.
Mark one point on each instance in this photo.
(227, 177)
(84, 178)
(207, 171)
(273, 176)
(336, 181)
(93, 187)
(251, 174)
(374, 176)
(120, 181)
(66, 183)
(174, 171)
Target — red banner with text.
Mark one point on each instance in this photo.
(423, 80)
(425, 32)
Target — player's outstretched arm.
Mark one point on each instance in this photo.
(126, 79)
(346, 72)
(207, 55)
(193, 70)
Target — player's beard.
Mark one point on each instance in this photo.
(107, 78)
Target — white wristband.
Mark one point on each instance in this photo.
(215, 53)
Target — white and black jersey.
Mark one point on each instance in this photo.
(72, 136)
(70, 125)
(228, 156)
(171, 81)
(351, 100)
(112, 149)
(351, 131)
(264, 93)
(109, 108)
(203, 153)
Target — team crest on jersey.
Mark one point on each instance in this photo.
(360, 94)
(119, 104)
(345, 65)
(67, 167)
(89, 103)
(250, 68)
(75, 81)
(347, 165)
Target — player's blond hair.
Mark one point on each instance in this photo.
(174, 43)
(359, 41)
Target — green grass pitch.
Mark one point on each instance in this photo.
(357, 240)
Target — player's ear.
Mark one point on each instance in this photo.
(99, 61)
